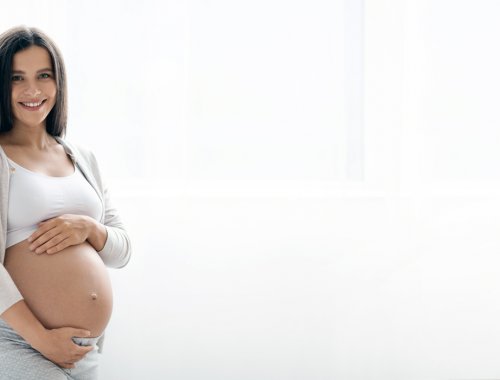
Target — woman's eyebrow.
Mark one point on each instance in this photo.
(39, 71)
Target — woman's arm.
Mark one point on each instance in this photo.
(60, 232)
(108, 236)
(56, 344)
(98, 234)
(24, 322)
(117, 248)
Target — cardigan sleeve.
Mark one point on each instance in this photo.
(9, 294)
(117, 249)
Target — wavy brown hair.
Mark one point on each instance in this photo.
(13, 41)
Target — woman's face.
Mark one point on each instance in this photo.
(34, 86)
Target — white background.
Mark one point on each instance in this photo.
(312, 187)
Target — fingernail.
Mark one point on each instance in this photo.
(30, 239)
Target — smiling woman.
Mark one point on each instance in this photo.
(25, 95)
(58, 229)
(33, 90)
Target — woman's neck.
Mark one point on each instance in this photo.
(28, 137)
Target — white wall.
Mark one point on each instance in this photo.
(311, 187)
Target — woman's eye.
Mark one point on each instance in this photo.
(16, 78)
(44, 75)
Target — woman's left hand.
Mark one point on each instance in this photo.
(54, 235)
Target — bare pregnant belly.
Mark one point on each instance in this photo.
(69, 288)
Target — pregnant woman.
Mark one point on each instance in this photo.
(58, 229)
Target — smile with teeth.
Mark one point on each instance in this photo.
(33, 104)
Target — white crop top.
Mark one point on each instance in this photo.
(35, 197)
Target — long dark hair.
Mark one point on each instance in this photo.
(13, 41)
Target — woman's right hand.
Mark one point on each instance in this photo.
(57, 346)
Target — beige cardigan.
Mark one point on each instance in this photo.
(117, 249)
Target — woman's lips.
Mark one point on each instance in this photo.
(32, 106)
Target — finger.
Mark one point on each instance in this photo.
(56, 244)
(44, 237)
(77, 357)
(62, 245)
(80, 351)
(84, 350)
(51, 243)
(39, 231)
(42, 228)
(81, 333)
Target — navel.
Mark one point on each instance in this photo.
(93, 296)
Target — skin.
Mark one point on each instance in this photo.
(31, 146)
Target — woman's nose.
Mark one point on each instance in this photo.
(32, 92)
